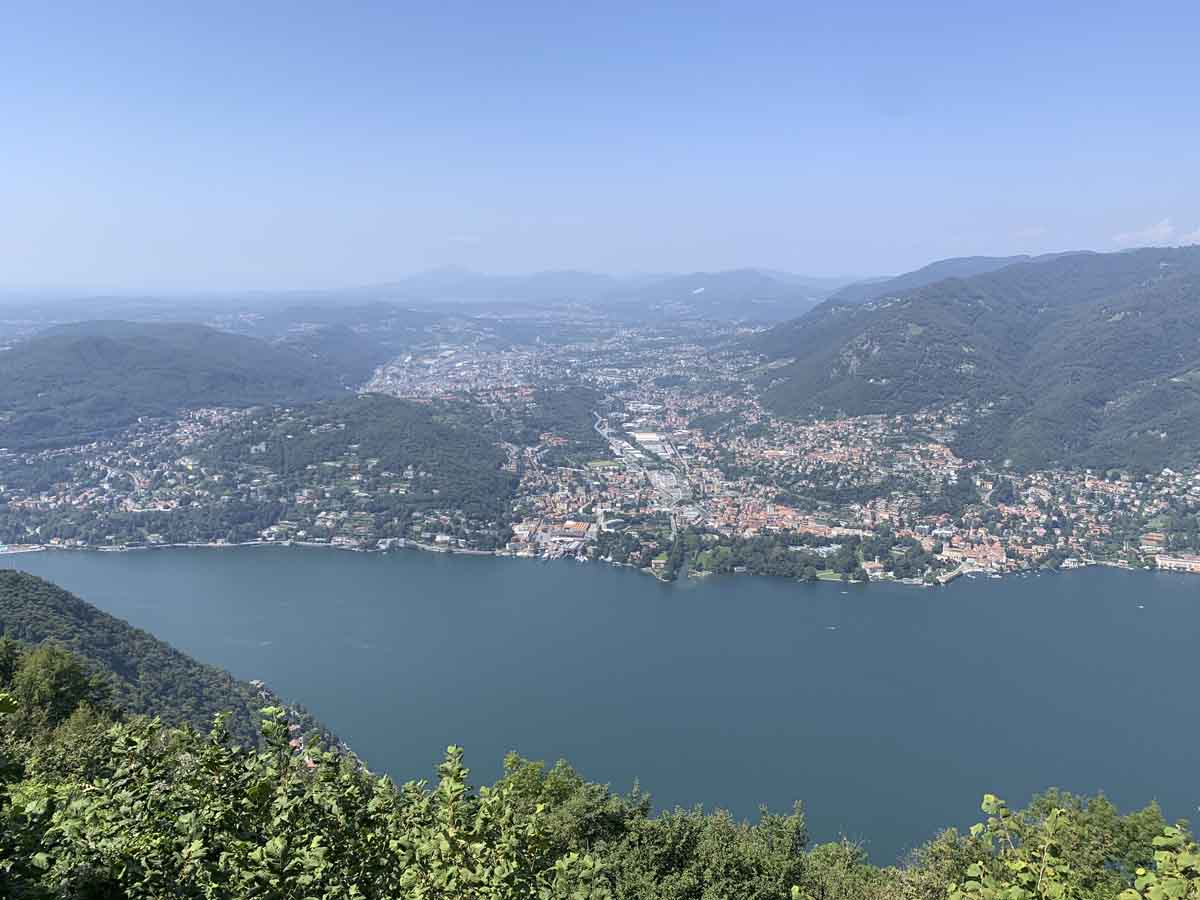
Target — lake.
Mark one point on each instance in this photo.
(888, 710)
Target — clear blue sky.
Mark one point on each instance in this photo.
(254, 145)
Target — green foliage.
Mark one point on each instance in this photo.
(1176, 874)
(565, 412)
(779, 555)
(179, 814)
(1084, 359)
(352, 356)
(454, 466)
(1080, 849)
(163, 812)
(79, 382)
(150, 811)
(53, 683)
(953, 498)
(685, 854)
(143, 674)
(956, 267)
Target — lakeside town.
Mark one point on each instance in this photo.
(646, 447)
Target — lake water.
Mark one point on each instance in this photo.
(887, 710)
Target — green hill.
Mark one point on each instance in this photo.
(350, 355)
(83, 381)
(956, 267)
(1088, 359)
(450, 448)
(144, 674)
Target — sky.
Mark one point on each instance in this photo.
(212, 146)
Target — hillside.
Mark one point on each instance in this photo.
(1089, 359)
(449, 453)
(79, 382)
(146, 675)
(351, 356)
(956, 267)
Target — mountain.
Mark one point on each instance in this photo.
(79, 382)
(146, 676)
(955, 267)
(757, 294)
(1086, 359)
(738, 294)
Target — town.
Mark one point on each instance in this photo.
(643, 446)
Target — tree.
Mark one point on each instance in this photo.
(1063, 848)
(10, 658)
(1003, 492)
(1176, 873)
(51, 680)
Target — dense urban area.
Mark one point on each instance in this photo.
(643, 445)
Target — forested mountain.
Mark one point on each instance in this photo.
(351, 356)
(97, 804)
(956, 267)
(1089, 359)
(142, 674)
(78, 382)
(416, 456)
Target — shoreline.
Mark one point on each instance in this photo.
(405, 544)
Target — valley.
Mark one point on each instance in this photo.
(656, 445)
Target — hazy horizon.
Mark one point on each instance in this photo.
(448, 269)
(833, 281)
(226, 148)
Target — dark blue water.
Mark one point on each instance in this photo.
(887, 710)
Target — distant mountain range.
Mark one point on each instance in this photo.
(80, 382)
(738, 294)
(748, 295)
(1082, 358)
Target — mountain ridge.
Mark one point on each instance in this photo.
(1055, 349)
(84, 380)
(728, 290)
(938, 270)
